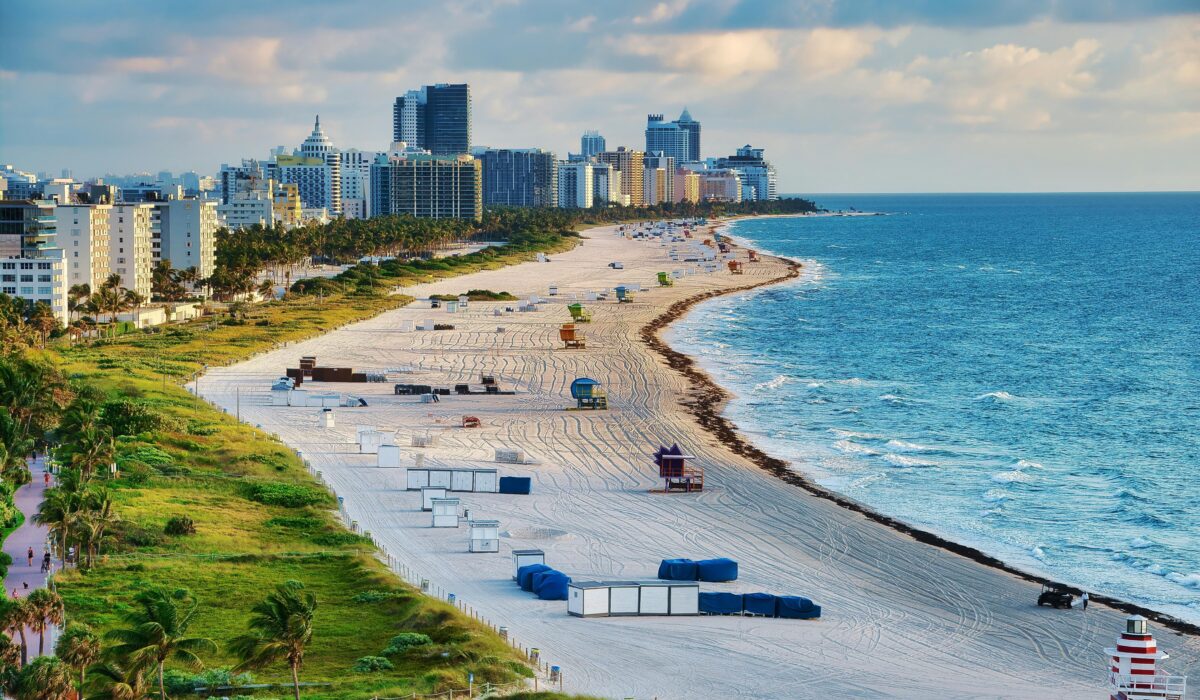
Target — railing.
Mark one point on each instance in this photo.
(1168, 686)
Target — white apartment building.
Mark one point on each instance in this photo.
(185, 233)
(356, 182)
(83, 234)
(37, 279)
(606, 185)
(575, 185)
(249, 207)
(131, 254)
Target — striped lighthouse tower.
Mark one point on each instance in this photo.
(1133, 666)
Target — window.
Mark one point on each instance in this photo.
(8, 266)
(26, 291)
(44, 266)
(45, 291)
(26, 266)
(26, 278)
(10, 290)
(77, 255)
(9, 278)
(45, 278)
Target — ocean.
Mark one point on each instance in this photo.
(1018, 373)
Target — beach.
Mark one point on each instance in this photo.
(902, 618)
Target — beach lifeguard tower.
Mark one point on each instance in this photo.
(664, 279)
(589, 394)
(571, 336)
(1133, 672)
(677, 471)
(624, 294)
(753, 255)
(579, 314)
(735, 266)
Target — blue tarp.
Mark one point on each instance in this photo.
(716, 570)
(721, 603)
(541, 577)
(677, 570)
(525, 575)
(797, 608)
(554, 585)
(759, 604)
(515, 484)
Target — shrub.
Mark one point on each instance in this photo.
(129, 417)
(372, 664)
(286, 495)
(180, 525)
(296, 523)
(405, 641)
(375, 596)
(338, 539)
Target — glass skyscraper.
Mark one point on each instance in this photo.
(436, 118)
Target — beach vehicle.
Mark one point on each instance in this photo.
(616, 265)
(579, 314)
(471, 422)
(571, 336)
(624, 294)
(1055, 596)
(589, 394)
(435, 303)
(664, 279)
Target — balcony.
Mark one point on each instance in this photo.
(1158, 687)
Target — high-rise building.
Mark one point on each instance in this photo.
(131, 254)
(692, 127)
(436, 118)
(83, 232)
(687, 185)
(658, 179)
(427, 186)
(316, 170)
(27, 227)
(31, 265)
(525, 177)
(408, 118)
(606, 186)
(575, 185)
(236, 178)
(757, 174)
(185, 234)
(629, 164)
(720, 185)
(287, 208)
(356, 182)
(667, 138)
(590, 144)
(249, 207)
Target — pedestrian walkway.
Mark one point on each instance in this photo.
(22, 577)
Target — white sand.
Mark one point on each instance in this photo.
(901, 619)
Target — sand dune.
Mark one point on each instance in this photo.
(902, 619)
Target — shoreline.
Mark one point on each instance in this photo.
(706, 404)
(595, 512)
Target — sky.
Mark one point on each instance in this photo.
(845, 96)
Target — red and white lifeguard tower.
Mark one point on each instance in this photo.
(1133, 672)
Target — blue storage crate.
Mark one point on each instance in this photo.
(721, 603)
(677, 570)
(717, 570)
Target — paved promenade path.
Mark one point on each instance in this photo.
(22, 577)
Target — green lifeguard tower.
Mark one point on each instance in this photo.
(579, 314)
(664, 279)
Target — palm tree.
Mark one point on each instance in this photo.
(12, 620)
(10, 661)
(76, 296)
(79, 648)
(115, 681)
(157, 632)
(15, 444)
(93, 450)
(266, 290)
(95, 520)
(46, 610)
(281, 626)
(60, 512)
(41, 319)
(47, 678)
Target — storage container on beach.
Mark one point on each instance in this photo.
(486, 481)
(516, 484)
(588, 599)
(759, 604)
(654, 599)
(623, 598)
(429, 493)
(685, 599)
(485, 536)
(720, 603)
(796, 608)
(462, 480)
(440, 477)
(525, 557)
(389, 457)
(417, 479)
(678, 570)
(717, 570)
(445, 512)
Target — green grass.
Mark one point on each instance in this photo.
(260, 518)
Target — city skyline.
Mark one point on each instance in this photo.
(845, 96)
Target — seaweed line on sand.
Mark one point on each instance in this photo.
(705, 401)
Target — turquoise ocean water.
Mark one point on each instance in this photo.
(1020, 373)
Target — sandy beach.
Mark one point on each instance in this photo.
(901, 618)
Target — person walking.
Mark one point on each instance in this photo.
(1083, 600)
(46, 562)
(30, 557)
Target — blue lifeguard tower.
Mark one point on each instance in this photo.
(588, 394)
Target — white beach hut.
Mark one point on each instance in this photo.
(389, 457)
(428, 493)
(417, 479)
(464, 301)
(325, 418)
(685, 598)
(654, 599)
(587, 598)
(441, 478)
(462, 480)
(525, 557)
(445, 512)
(485, 536)
(623, 598)
(487, 481)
